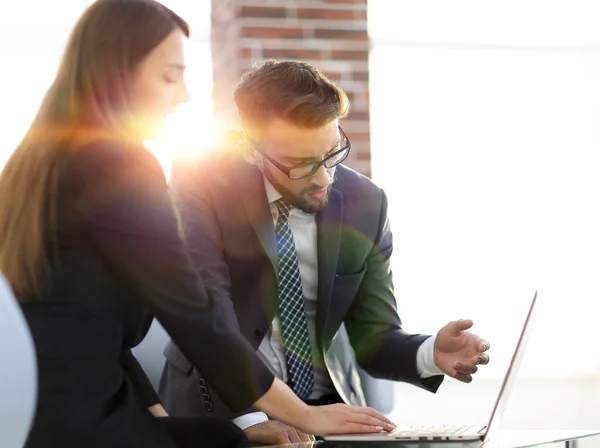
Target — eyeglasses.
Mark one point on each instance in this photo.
(335, 157)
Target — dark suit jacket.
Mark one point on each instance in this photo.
(229, 230)
(118, 261)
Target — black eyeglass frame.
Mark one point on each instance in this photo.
(316, 165)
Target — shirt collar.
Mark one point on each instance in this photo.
(272, 194)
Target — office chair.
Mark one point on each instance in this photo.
(149, 352)
(18, 377)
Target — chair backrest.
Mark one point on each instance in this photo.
(149, 352)
(378, 393)
(18, 376)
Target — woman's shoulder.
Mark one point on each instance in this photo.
(111, 159)
(117, 152)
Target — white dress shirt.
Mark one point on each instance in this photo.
(271, 350)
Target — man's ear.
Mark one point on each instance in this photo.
(249, 153)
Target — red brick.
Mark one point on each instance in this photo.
(334, 76)
(263, 11)
(355, 96)
(360, 15)
(358, 165)
(341, 34)
(345, 1)
(325, 14)
(360, 76)
(357, 136)
(349, 55)
(360, 146)
(364, 95)
(356, 115)
(245, 53)
(272, 33)
(281, 53)
(360, 155)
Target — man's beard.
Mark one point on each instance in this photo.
(299, 201)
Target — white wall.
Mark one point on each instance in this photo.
(485, 134)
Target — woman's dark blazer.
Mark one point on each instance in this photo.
(117, 261)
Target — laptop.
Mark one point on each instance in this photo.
(466, 433)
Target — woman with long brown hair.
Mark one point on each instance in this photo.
(89, 243)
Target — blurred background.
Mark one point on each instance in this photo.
(481, 120)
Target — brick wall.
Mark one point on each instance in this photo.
(330, 34)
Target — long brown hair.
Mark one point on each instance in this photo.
(87, 100)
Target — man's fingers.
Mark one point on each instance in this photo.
(456, 327)
(464, 368)
(305, 437)
(484, 345)
(462, 377)
(279, 438)
(293, 435)
(481, 359)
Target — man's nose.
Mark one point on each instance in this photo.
(323, 176)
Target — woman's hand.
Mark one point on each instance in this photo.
(344, 419)
(280, 403)
(157, 410)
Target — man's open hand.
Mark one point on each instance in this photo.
(458, 352)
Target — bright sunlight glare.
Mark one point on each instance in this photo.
(188, 132)
(191, 129)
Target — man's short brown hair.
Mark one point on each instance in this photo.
(295, 92)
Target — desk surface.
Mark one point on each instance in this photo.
(526, 438)
(505, 439)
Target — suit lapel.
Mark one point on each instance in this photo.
(329, 228)
(254, 199)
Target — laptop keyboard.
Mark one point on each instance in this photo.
(422, 430)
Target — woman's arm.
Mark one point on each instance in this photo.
(127, 213)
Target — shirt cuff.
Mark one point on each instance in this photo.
(425, 362)
(247, 420)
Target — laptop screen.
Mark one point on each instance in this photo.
(513, 369)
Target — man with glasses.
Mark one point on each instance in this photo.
(295, 248)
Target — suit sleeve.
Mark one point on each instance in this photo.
(139, 379)
(382, 347)
(201, 233)
(129, 216)
(200, 229)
